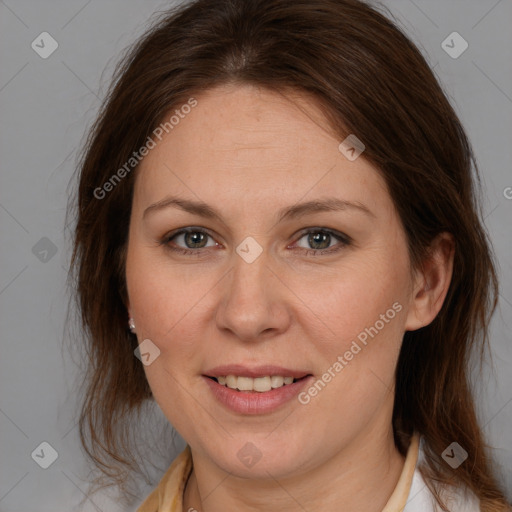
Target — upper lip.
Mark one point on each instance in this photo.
(255, 371)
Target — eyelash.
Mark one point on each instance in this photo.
(344, 239)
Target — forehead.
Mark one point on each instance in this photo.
(251, 142)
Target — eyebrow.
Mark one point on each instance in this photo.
(298, 210)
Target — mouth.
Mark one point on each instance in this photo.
(263, 392)
(256, 385)
(256, 390)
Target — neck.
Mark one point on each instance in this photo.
(359, 477)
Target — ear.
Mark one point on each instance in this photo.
(431, 283)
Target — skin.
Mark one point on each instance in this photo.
(248, 152)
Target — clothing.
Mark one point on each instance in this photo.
(410, 494)
(421, 499)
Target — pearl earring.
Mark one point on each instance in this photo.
(131, 325)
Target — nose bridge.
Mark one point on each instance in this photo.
(249, 277)
(250, 271)
(251, 304)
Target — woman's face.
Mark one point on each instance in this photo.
(272, 284)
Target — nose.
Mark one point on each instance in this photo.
(253, 303)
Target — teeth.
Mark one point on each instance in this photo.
(276, 381)
(245, 384)
(260, 384)
(231, 381)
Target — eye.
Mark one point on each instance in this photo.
(318, 241)
(193, 240)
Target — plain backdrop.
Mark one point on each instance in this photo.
(46, 105)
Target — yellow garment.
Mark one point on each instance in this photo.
(168, 495)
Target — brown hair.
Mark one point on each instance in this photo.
(370, 80)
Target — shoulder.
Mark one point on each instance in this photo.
(456, 499)
(421, 499)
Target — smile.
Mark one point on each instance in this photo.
(259, 384)
(255, 391)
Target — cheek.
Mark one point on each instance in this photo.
(356, 365)
(341, 304)
(164, 303)
(164, 296)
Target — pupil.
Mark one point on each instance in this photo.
(319, 237)
(195, 238)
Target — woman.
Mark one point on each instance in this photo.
(277, 214)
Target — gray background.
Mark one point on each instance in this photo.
(46, 106)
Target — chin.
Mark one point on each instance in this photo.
(259, 459)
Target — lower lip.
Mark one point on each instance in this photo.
(246, 402)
